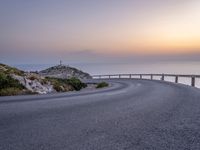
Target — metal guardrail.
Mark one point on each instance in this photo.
(108, 76)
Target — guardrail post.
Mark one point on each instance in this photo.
(151, 77)
(176, 79)
(163, 77)
(193, 81)
(193, 77)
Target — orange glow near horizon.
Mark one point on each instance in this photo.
(162, 27)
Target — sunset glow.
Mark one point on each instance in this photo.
(114, 27)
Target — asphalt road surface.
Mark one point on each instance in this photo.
(128, 115)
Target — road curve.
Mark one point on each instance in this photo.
(131, 114)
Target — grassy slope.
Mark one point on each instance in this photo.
(10, 70)
(64, 85)
(10, 86)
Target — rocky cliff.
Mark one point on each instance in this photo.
(55, 79)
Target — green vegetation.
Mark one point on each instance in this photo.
(10, 70)
(44, 81)
(64, 85)
(76, 83)
(102, 84)
(9, 86)
(10, 91)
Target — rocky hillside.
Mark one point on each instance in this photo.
(14, 82)
(64, 72)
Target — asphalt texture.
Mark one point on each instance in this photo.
(128, 115)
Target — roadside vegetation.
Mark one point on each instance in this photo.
(102, 85)
(10, 70)
(9, 86)
(64, 85)
(17, 82)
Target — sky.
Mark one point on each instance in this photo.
(91, 31)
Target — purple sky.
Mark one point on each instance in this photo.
(90, 31)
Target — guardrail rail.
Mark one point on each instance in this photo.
(162, 76)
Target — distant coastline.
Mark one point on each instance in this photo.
(187, 67)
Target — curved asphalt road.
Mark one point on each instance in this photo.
(131, 114)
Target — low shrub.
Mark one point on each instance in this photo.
(6, 81)
(9, 86)
(44, 81)
(64, 85)
(76, 83)
(10, 91)
(58, 87)
(11, 70)
(102, 84)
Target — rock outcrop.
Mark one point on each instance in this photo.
(55, 79)
(64, 72)
(35, 85)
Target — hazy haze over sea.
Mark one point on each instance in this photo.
(114, 68)
(183, 67)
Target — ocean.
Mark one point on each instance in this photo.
(184, 67)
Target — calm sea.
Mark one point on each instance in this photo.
(115, 68)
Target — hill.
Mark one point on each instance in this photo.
(15, 82)
(64, 72)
